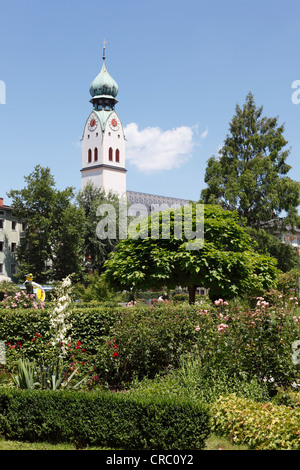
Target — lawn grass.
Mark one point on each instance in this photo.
(212, 443)
(221, 443)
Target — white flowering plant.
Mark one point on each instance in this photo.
(60, 316)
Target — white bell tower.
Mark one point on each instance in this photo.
(103, 141)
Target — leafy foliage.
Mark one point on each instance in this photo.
(102, 418)
(250, 173)
(94, 289)
(225, 264)
(54, 225)
(96, 250)
(269, 245)
(261, 426)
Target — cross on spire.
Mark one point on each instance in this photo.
(104, 42)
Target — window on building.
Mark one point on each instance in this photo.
(110, 154)
(118, 155)
(95, 154)
(13, 247)
(1, 246)
(89, 156)
(1, 223)
(13, 269)
(13, 225)
(1, 268)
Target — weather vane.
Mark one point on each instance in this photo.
(104, 42)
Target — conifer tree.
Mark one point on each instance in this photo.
(250, 173)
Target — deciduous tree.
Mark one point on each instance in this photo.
(225, 263)
(50, 247)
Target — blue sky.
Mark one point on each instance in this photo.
(181, 68)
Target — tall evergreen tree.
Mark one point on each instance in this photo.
(250, 173)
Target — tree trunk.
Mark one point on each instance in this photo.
(192, 294)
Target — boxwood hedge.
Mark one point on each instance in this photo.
(116, 420)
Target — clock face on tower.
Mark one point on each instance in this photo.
(114, 124)
(92, 124)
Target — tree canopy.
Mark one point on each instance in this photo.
(225, 263)
(96, 250)
(51, 243)
(250, 173)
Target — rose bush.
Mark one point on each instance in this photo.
(254, 342)
(22, 300)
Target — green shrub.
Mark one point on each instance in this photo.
(95, 288)
(287, 397)
(20, 325)
(181, 297)
(255, 342)
(144, 341)
(261, 426)
(8, 288)
(107, 419)
(190, 380)
(88, 325)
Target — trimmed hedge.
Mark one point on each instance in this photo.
(115, 420)
(260, 426)
(88, 324)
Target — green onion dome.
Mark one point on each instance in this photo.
(104, 85)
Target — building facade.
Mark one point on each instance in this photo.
(10, 234)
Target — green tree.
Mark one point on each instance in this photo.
(225, 263)
(67, 238)
(96, 249)
(268, 244)
(50, 247)
(250, 173)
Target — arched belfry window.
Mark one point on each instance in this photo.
(89, 156)
(110, 154)
(95, 154)
(118, 155)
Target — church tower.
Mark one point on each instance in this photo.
(103, 141)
